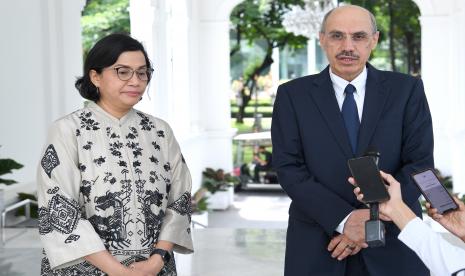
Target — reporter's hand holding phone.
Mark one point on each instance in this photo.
(453, 221)
(394, 209)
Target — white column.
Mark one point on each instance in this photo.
(189, 45)
(311, 56)
(443, 69)
(41, 58)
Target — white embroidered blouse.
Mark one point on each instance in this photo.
(114, 184)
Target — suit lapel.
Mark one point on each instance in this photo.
(375, 98)
(325, 99)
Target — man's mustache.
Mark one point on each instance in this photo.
(347, 54)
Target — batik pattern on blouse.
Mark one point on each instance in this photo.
(109, 184)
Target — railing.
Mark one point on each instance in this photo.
(26, 202)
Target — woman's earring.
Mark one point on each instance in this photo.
(98, 91)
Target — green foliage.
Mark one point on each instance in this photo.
(259, 22)
(399, 25)
(199, 201)
(101, 18)
(6, 166)
(217, 180)
(34, 209)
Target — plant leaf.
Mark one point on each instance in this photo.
(6, 165)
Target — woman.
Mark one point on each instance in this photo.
(441, 257)
(113, 186)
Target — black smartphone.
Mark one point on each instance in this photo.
(434, 192)
(366, 174)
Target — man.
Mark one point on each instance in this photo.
(321, 121)
(262, 164)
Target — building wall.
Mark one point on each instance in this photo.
(41, 56)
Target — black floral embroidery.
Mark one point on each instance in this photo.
(78, 132)
(82, 167)
(133, 134)
(85, 189)
(136, 150)
(63, 214)
(161, 133)
(168, 184)
(99, 161)
(145, 123)
(153, 159)
(87, 122)
(88, 145)
(109, 178)
(153, 176)
(115, 148)
(50, 160)
(156, 146)
(167, 167)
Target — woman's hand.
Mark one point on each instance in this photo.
(454, 221)
(150, 267)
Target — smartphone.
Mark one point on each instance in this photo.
(434, 192)
(366, 174)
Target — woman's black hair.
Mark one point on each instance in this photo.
(105, 53)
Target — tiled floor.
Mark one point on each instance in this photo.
(247, 239)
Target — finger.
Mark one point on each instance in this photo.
(356, 250)
(352, 181)
(334, 242)
(385, 218)
(389, 179)
(360, 197)
(346, 252)
(437, 216)
(459, 203)
(340, 248)
(428, 205)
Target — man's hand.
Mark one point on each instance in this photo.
(354, 228)
(454, 221)
(341, 247)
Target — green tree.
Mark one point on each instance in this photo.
(101, 18)
(399, 26)
(260, 22)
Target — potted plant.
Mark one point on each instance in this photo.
(220, 187)
(199, 208)
(6, 167)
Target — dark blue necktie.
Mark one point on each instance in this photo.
(350, 115)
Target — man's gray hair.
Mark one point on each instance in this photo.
(374, 27)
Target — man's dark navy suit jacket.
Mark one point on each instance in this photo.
(310, 153)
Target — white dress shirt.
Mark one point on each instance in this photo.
(441, 257)
(339, 84)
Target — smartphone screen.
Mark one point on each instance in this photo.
(368, 178)
(434, 191)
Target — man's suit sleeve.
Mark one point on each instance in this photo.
(417, 142)
(311, 197)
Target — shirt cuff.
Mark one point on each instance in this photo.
(340, 227)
